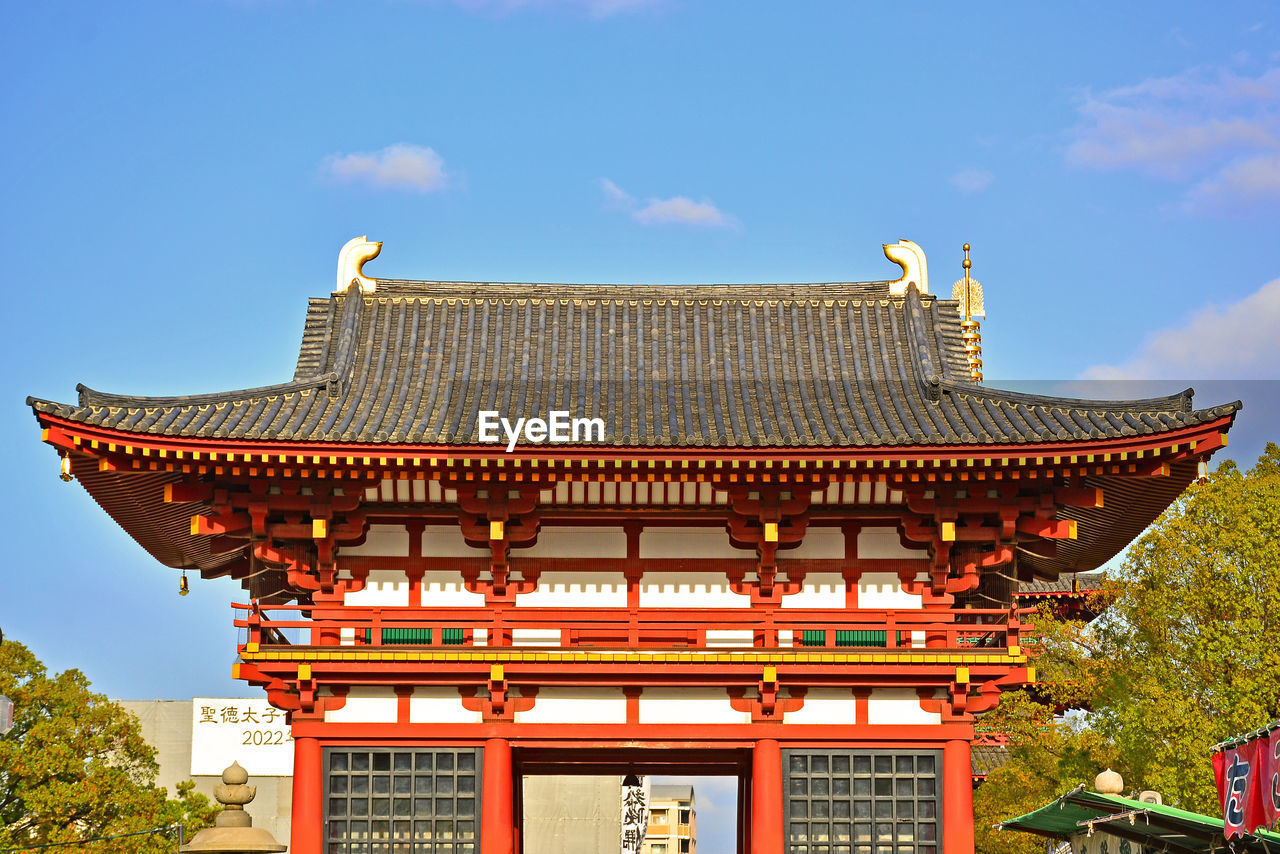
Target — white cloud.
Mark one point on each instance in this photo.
(1210, 129)
(615, 195)
(971, 180)
(1248, 180)
(680, 209)
(397, 167)
(1236, 341)
(677, 210)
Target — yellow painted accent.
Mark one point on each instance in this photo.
(1015, 650)
(948, 532)
(251, 646)
(195, 525)
(1224, 439)
(319, 528)
(1031, 675)
(235, 670)
(496, 673)
(770, 532)
(495, 530)
(1072, 528)
(304, 671)
(962, 675)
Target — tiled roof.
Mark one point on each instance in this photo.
(1083, 582)
(756, 366)
(985, 758)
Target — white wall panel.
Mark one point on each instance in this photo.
(440, 705)
(818, 544)
(689, 590)
(577, 590)
(898, 706)
(583, 542)
(883, 590)
(825, 706)
(441, 589)
(382, 541)
(366, 705)
(821, 590)
(383, 588)
(884, 544)
(689, 706)
(577, 706)
(689, 542)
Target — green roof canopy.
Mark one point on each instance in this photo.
(1153, 825)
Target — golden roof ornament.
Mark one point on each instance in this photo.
(915, 270)
(351, 260)
(968, 293)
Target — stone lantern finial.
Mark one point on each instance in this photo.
(233, 831)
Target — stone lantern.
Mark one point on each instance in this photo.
(233, 831)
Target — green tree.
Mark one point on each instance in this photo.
(1186, 654)
(75, 767)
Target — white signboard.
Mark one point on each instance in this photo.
(250, 732)
(635, 816)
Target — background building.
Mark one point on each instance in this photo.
(673, 821)
(167, 726)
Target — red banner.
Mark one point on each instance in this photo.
(1240, 771)
(1269, 766)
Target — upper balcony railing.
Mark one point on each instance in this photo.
(643, 628)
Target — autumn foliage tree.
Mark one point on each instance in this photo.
(1186, 654)
(75, 767)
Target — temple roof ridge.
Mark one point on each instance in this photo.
(821, 365)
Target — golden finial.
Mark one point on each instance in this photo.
(968, 293)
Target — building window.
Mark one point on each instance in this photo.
(377, 799)
(863, 801)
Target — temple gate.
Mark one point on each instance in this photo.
(778, 541)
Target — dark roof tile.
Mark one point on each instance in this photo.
(753, 366)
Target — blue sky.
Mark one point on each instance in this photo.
(178, 178)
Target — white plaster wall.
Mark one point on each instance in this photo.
(535, 637)
(577, 706)
(825, 706)
(366, 704)
(381, 541)
(577, 542)
(818, 544)
(384, 588)
(689, 590)
(689, 706)
(898, 706)
(447, 541)
(689, 542)
(577, 590)
(440, 705)
(883, 590)
(883, 544)
(730, 638)
(821, 590)
(442, 589)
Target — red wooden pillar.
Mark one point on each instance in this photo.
(497, 828)
(766, 798)
(306, 835)
(957, 797)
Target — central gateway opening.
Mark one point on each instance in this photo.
(429, 800)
